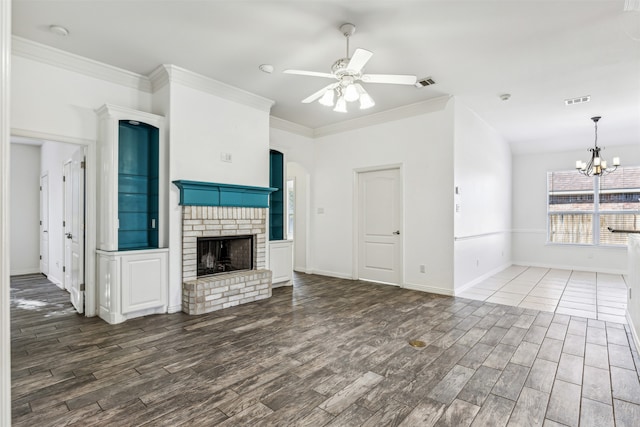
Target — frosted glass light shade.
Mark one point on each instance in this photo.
(327, 98)
(351, 93)
(341, 105)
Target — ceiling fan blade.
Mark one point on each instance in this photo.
(319, 93)
(396, 79)
(358, 60)
(310, 73)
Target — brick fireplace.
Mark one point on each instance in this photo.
(207, 293)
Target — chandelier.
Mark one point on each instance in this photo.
(597, 166)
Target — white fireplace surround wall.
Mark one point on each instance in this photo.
(215, 292)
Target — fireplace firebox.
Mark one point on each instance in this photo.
(224, 254)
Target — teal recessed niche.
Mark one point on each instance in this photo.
(276, 206)
(138, 170)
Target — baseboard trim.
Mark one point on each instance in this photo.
(24, 271)
(569, 267)
(331, 274)
(477, 280)
(429, 289)
(634, 331)
(174, 309)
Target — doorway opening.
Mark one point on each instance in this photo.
(60, 251)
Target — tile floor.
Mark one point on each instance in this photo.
(576, 293)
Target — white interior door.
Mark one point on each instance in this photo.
(44, 224)
(67, 206)
(379, 226)
(76, 229)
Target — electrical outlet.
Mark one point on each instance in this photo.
(423, 269)
(226, 157)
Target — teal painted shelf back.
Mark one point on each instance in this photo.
(138, 167)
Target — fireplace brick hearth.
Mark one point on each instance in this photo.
(209, 293)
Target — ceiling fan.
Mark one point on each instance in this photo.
(348, 73)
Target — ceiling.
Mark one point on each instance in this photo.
(540, 52)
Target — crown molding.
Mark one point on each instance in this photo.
(79, 64)
(214, 87)
(286, 125)
(416, 109)
(159, 78)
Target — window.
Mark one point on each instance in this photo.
(291, 206)
(581, 209)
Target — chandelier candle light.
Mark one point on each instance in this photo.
(597, 166)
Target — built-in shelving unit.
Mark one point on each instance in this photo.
(132, 258)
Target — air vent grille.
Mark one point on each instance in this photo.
(578, 100)
(427, 81)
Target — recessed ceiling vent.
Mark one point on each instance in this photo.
(578, 100)
(427, 81)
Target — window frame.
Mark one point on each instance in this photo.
(596, 213)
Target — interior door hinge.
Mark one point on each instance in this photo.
(82, 287)
(64, 178)
(82, 164)
(64, 223)
(40, 256)
(41, 188)
(64, 268)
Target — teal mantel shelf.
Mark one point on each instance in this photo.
(196, 193)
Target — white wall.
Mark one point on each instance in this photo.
(54, 155)
(482, 169)
(57, 102)
(201, 127)
(423, 145)
(25, 209)
(530, 213)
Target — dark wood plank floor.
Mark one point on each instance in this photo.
(325, 352)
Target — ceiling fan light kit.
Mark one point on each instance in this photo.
(348, 72)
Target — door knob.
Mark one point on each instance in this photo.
(397, 232)
(69, 236)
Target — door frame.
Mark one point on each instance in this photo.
(44, 222)
(356, 216)
(66, 171)
(91, 195)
